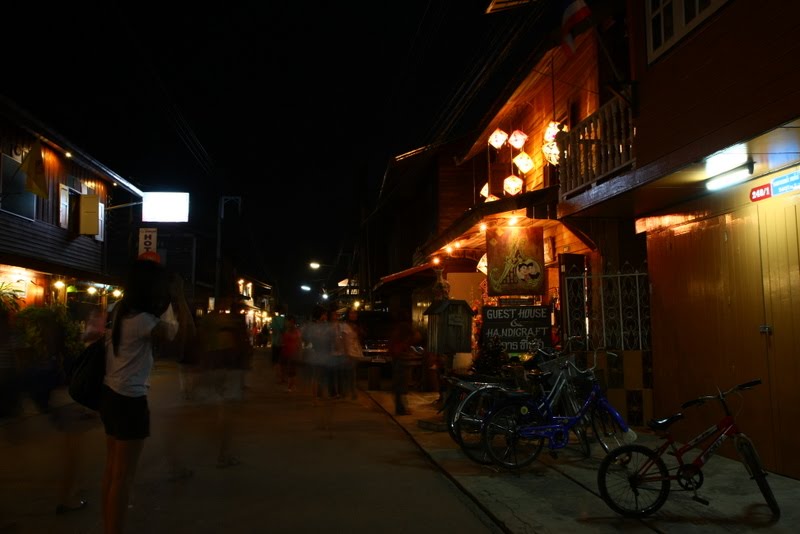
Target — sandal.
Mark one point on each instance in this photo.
(228, 461)
(181, 474)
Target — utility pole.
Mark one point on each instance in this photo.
(222, 202)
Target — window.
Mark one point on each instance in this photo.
(668, 21)
(13, 195)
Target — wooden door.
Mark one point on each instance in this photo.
(707, 306)
(780, 231)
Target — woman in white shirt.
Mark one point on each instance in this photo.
(143, 312)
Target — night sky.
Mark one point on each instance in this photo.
(295, 106)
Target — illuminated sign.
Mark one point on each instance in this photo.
(165, 207)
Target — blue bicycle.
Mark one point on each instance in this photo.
(516, 429)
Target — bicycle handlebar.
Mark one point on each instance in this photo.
(721, 394)
(590, 369)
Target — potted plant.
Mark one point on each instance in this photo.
(48, 341)
(10, 303)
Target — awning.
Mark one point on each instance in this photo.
(538, 204)
(409, 278)
(423, 275)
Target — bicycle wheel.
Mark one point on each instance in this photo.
(752, 462)
(468, 421)
(633, 481)
(571, 407)
(451, 404)
(502, 440)
(606, 428)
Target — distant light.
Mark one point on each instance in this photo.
(314, 265)
(165, 207)
(305, 288)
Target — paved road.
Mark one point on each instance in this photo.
(345, 467)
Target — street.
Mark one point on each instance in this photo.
(359, 473)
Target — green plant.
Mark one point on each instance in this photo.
(10, 301)
(47, 332)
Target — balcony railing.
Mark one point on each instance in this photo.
(597, 148)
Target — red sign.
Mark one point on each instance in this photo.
(761, 192)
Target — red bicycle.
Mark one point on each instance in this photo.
(634, 480)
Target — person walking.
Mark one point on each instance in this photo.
(224, 354)
(277, 326)
(403, 336)
(348, 349)
(318, 336)
(290, 352)
(144, 312)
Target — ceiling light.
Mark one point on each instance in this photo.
(731, 177)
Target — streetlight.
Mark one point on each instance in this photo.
(218, 264)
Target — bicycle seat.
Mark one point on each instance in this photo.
(660, 425)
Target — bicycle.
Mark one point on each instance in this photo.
(634, 480)
(460, 386)
(539, 373)
(472, 410)
(516, 430)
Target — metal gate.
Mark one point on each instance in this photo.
(608, 310)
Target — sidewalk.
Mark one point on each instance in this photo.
(560, 494)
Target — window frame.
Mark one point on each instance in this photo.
(680, 27)
(6, 185)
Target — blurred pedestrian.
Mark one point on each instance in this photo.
(318, 336)
(182, 351)
(48, 340)
(290, 352)
(224, 354)
(402, 338)
(144, 312)
(348, 349)
(276, 328)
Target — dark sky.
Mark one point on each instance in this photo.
(295, 106)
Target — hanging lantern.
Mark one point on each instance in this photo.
(523, 162)
(550, 148)
(498, 138)
(483, 265)
(485, 190)
(491, 198)
(512, 185)
(517, 139)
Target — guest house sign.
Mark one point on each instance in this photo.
(519, 328)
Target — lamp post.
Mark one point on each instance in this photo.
(222, 202)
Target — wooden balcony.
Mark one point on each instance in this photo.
(596, 149)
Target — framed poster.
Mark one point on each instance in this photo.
(515, 260)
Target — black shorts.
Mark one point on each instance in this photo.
(124, 418)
